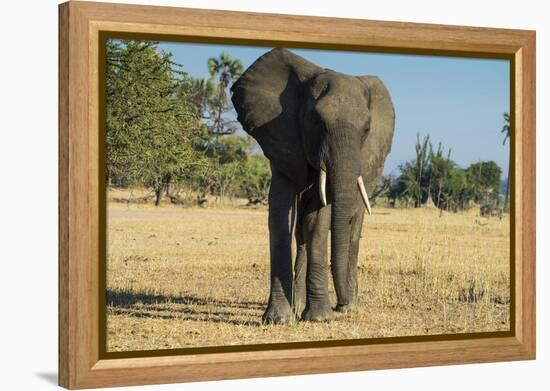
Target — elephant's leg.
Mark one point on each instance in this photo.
(300, 271)
(282, 210)
(316, 226)
(356, 227)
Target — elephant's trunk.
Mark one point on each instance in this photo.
(343, 172)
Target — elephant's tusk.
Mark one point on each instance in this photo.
(364, 194)
(323, 186)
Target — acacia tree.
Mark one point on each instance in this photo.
(151, 121)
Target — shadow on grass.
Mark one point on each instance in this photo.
(169, 307)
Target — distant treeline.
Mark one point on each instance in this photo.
(433, 178)
(167, 131)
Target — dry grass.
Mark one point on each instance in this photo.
(200, 277)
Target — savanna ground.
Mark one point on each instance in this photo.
(186, 277)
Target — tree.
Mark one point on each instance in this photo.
(201, 92)
(383, 189)
(506, 131)
(254, 179)
(448, 181)
(225, 158)
(484, 181)
(414, 179)
(433, 175)
(227, 70)
(456, 189)
(229, 149)
(151, 121)
(216, 179)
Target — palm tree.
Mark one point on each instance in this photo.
(201, 93)
(506, 132)
(227, 70)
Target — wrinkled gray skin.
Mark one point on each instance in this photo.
(308, 119)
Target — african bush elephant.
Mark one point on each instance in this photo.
(326, 135)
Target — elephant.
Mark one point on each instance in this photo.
(326, 135)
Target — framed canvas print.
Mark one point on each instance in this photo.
(247, 195)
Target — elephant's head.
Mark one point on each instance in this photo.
(316, 123)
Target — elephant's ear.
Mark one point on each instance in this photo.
(268, 98)
(377, 145)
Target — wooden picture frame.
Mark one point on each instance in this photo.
(82, 363)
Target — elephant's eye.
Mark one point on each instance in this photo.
(366, 131)
(317, 120)
(366, 127)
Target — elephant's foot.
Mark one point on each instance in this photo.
(318, 312)
(278, 313)
(344, 308)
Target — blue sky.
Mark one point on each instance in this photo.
(458, 101)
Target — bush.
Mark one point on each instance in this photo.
(254, 179)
